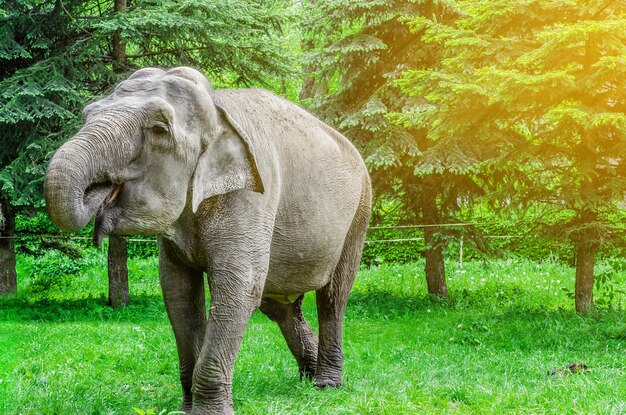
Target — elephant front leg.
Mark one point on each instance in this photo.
(183, 293)
(233, 299)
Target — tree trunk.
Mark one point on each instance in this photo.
(118, 272)
(118, 254)
(435, 269)
(585, 259)
(311, 87)
(118, 47)
(8, 274)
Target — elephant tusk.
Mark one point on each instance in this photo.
(114, 194)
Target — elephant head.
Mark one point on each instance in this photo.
(157, 144)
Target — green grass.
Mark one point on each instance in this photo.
(487, 350)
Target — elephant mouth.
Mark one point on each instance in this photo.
(96, 194)
(103, 195)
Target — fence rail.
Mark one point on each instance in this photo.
(399, 227)
(432, 225)
(460, 238)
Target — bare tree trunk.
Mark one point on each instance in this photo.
(117, 253)
(118, 272)
(435, 269)
(118, 47)
(8, 274)
(311, 87)
(585, 260)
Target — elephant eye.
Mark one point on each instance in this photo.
(159, 128)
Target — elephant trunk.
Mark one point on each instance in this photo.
(79, 177)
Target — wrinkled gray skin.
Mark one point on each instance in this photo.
(241, 184)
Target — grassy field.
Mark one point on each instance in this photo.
(488, 350)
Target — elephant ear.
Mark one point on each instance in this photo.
(227, 163)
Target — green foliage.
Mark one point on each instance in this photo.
(497, 234)
(36, 235)
(56, 56)
(608, 290)
(142, 249)
(237, 42)
(53, 270)
(539, 81)
(37, 224)
(368, 47)
(38, 99)
(399, 252)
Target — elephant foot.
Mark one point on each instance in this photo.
(322, 381)
(328, 375)
(213, 412)
(327, 383)
(187, 404)
(223, 411)
(213, 407)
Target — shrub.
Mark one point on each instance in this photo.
(143, 249)
(53, 270)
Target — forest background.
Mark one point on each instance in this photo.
(502, 118)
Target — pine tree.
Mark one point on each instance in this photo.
(56, 56)
(543, 82)
(36, 97)
(369, 45)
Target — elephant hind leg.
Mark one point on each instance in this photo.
(331, 304)
(297, 332)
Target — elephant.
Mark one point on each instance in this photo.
(238, 184)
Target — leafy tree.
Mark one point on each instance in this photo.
(55, 56)
(546, 80)
(369, 45)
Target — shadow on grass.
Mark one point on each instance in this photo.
(471, 324)
(388, 303)
(143, 307)
(384, 305)
(489, 324)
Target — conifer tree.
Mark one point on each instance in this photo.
(56, 56)
(36, 98)
(544, 82)
(369, 44)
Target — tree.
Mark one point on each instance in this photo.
(36, 101)
(368, 46)
(545, 79)
(55, 56)
(117, 256)
(8, 276)
(117, 253)
(312, 87)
